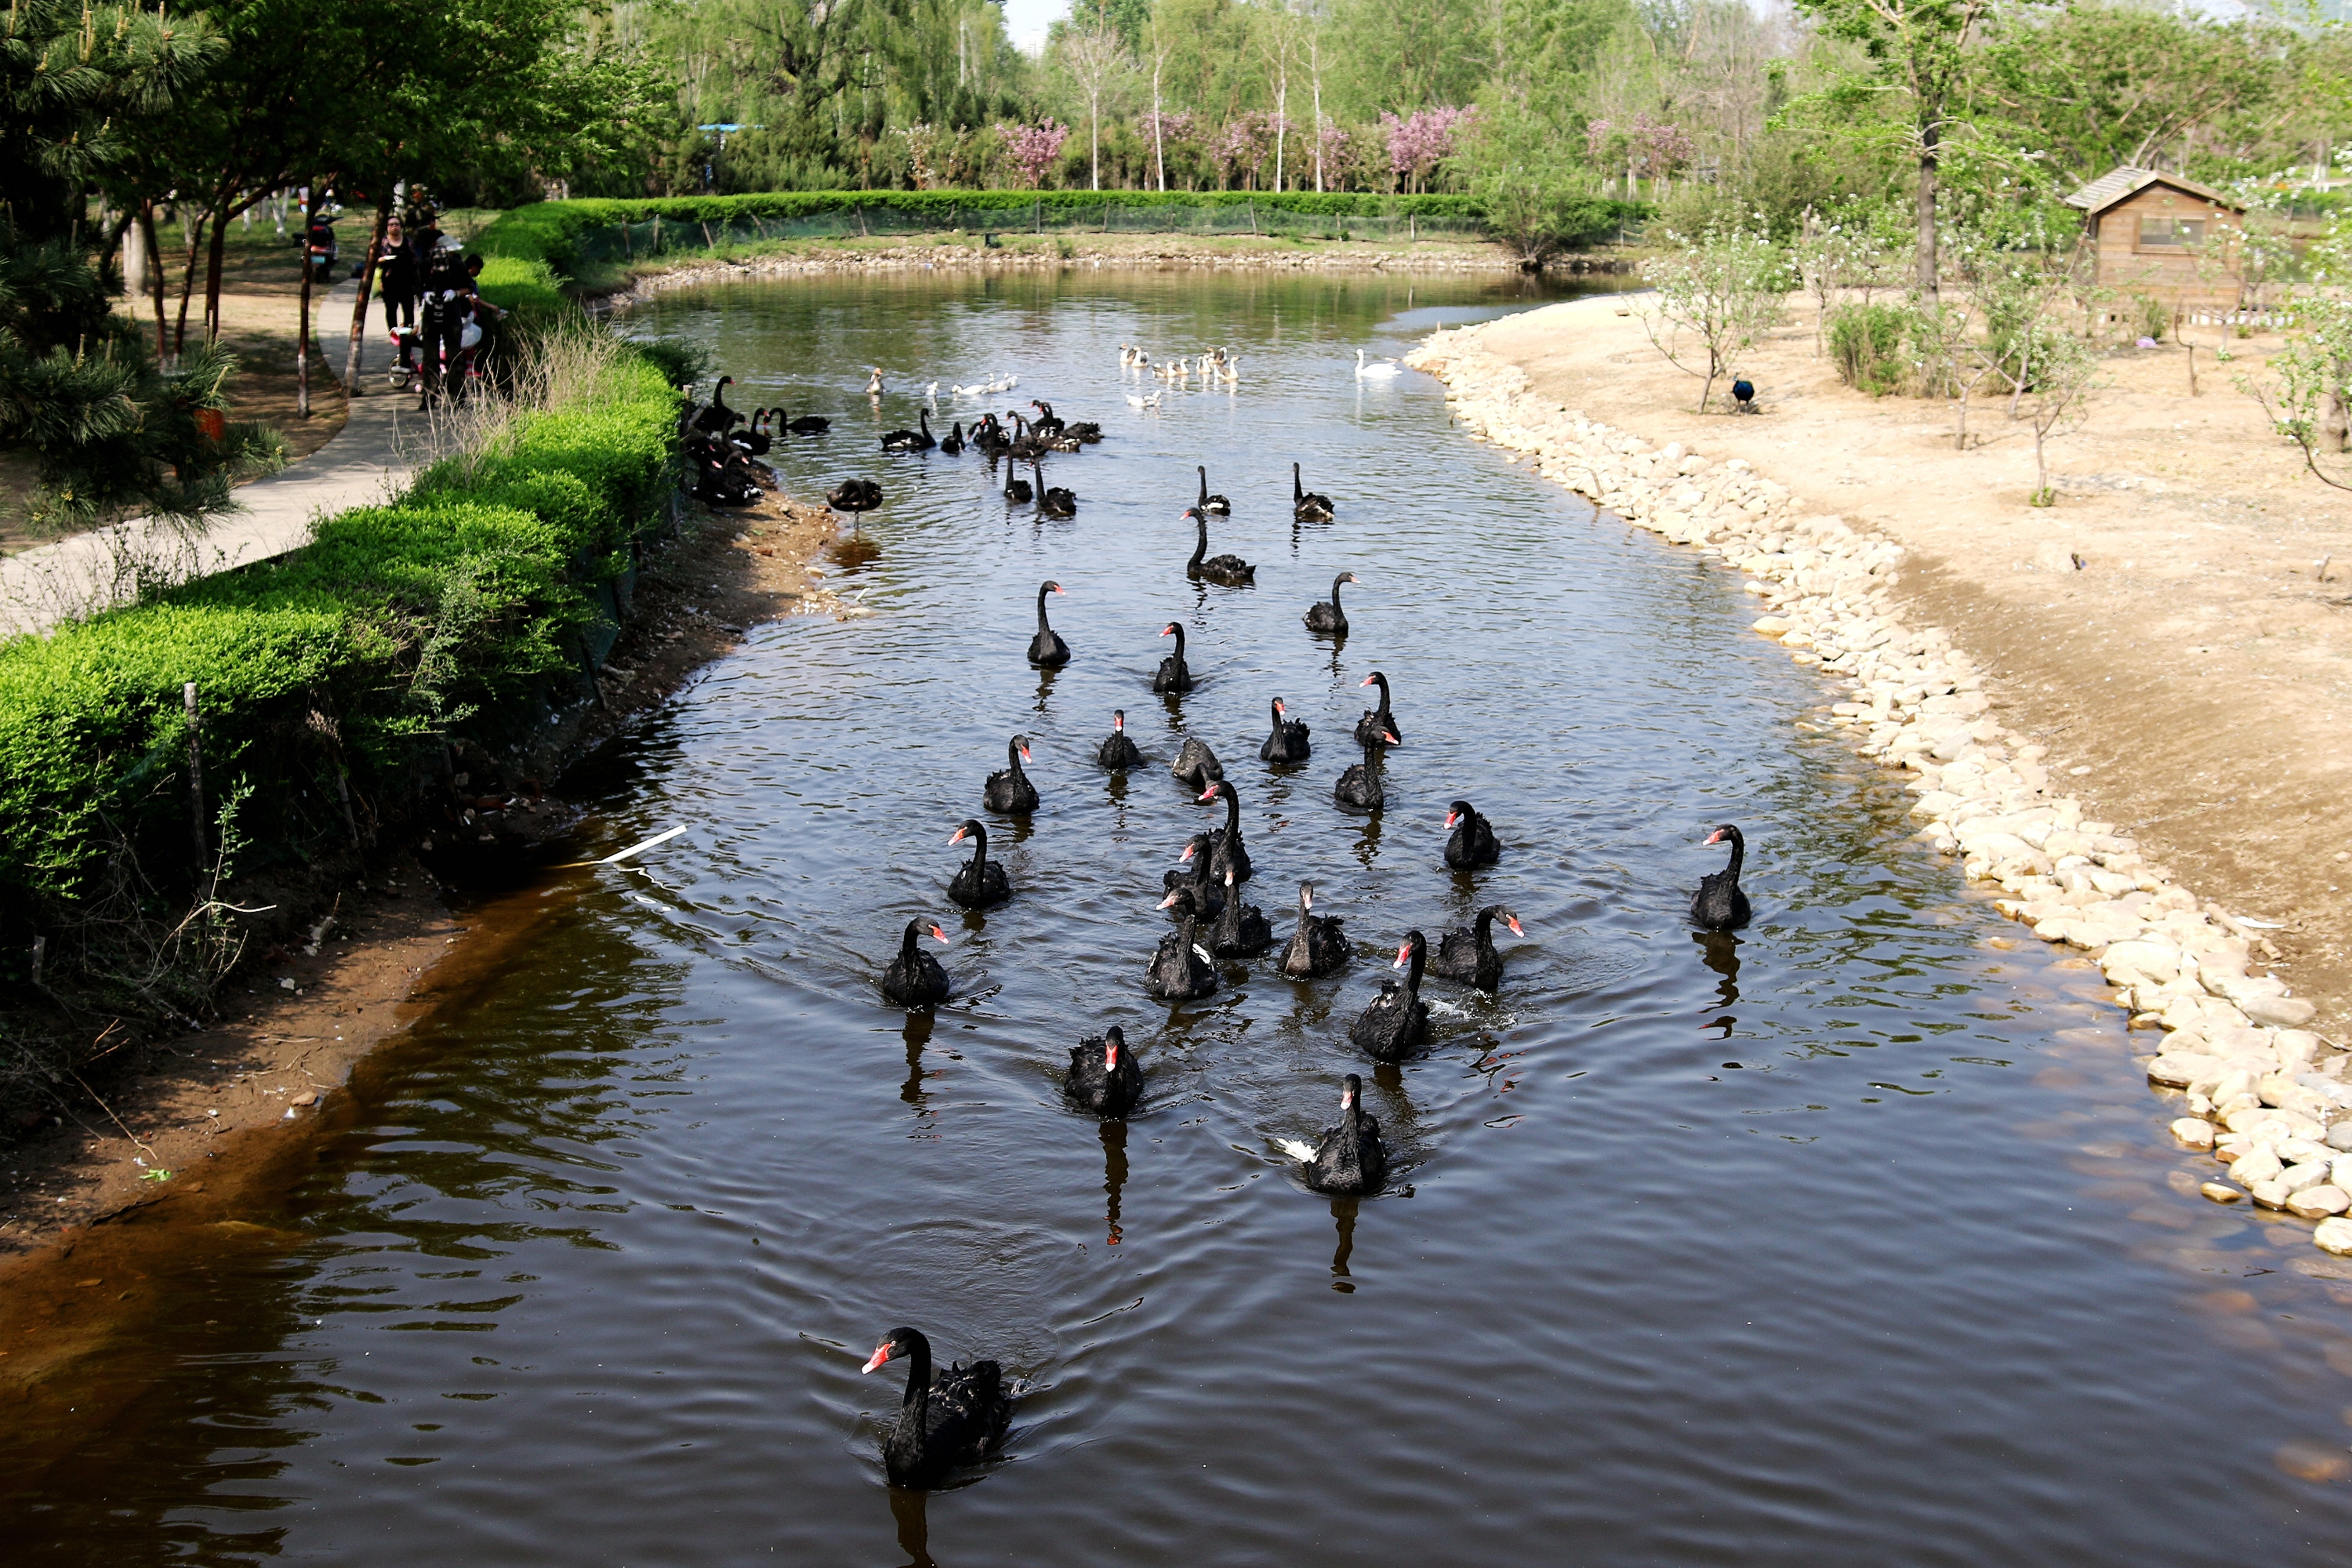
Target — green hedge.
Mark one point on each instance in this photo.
(360, 651)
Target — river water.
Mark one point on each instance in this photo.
(1853, 1240)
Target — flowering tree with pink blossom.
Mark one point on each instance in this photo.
(1244, 147)
(1032, 149)
(1332, 147)
(1418, 144)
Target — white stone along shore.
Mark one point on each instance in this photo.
(2260, 1092)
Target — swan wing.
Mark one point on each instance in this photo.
(1298, 1148)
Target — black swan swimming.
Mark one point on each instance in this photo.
(956, 1419)
(1180, 970)
(1049, 422)
(1397, 1022)
(919, 440)
(1196, 764)
(1241, 930)
(1192, 887)
(1350, 1160)
(1226, 850)
(806, 425)
(1218, 505)
(1009, 788)
(1117, 752)
(854, 496)
(716, 418)
(1174, 675)
(982, 881)
(1307, 505)
(1469, 954)
(1016, 489)
(914, 978)
(1719, 905)
(1047, 648)
(1330, 616)
(1380, 720)
(752, 438)
(1052, 501)
(1288, 742)
(989, 436)
(1230, 569)
(1360, 786)
(1104, 1077)
(1023, 446)
(1472, 843)
(1317, 947)
(952, 442)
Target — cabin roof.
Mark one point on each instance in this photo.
(2119, 185)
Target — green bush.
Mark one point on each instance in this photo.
(2154, 316)
(1866, 345)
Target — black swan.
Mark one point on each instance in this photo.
(1048, 649)
(982, 881)
(1307, 505)
(1016, 489)
(912, 440)
(1049, 423)
(1287, 743)
(1104, 1077)
(1350, 1160)
(1330, 617)
(1719, 905)
(989, 436)
(806, 425)
(1470, 954)
(1192, 888)
(854, 496)
(1023, 446)
(1242, 929)
(1052, 501)
(1226, 850)
(1472, 843)
(1378, 721)
(1117, 752)
(954, 1419)
(1317, 947)
(1230, 569)
(1196, 764)
(914, 978)
(716, 418)
(952, 442)
(1360, 786)
(1180, 970)
(1008, 789)
(752, 438)
(1397, 1022)
(1174, 674)
(1217, 504)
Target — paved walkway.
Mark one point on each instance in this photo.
(368, 460)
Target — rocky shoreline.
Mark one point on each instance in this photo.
(2259, 1090)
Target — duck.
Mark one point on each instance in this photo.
(914, 978)
(1397, 1022)
(1380, 370)
(1227, 853)
(1472, 843)
(1328, 616)
(1009, 790)
(958, 1418)
(806, 425)
(1215, 505)
(1306, 505)
(1104, 1078)
(1126, 353)
(1350, 1160)
(1468, 953)
(1380, 720)
(952, 442)
(982, 881)
(1052, 501)
(1196, 764)
(874, 388)
(1117, 752)
(1360, 786)
(919, 440)
(1139, 404)
(1046, 649)
(1228, 371)
(1719, 905)
(1174, 675)
(1181, 970)
(854, 496)
(1287, 743)
(1242, 929)
(1016, 489)
(1190, 887)
(716, 418)
(1230, 569)
(1317, 946)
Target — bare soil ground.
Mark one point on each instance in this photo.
(2177, 628)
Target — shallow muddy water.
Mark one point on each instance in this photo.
(1852, 1240)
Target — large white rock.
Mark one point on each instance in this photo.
(2333, 1235)
(2318, 1203)
(2262, 1165)
(2193, 1133)
(2279, 1012)
(2314, 1173)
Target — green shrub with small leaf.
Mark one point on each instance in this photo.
(1865, 343)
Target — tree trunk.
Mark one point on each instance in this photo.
(214, 254)
(1926, 213)
(1158, 147)
(154, 268)
(187, 285)
(1094, 138)
(367, 283)
(302, 342)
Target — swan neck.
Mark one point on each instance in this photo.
(1041, 608)
(918, 1377)
(1335, 589)
(1233, 817)
(1200, 547)
(1420, 961)
(1012, 757)
(1738, 853)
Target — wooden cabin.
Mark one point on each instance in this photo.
(2164, 237)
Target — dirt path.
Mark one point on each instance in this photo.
(2189, 676)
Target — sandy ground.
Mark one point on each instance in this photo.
(2189, 675)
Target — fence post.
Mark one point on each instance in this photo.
(196, 767)
(862, 233)
(1253, 214)
(1036, 216)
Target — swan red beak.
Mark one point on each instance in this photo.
(1025, 757)
(881, 1354)
(1404, 954)
(1347, 1099)
(1110, 1056)
(941, 933)
(1059, 589)
(1186, 856)
(1392, 740)
(959, 836)
(1208, 793)
(1514, 927)
(1169, 630)
(1451, 818)
(1118, 722)
(1716, 837)
(1167, 901)
(1368, 680)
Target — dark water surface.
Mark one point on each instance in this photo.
(1852, 1241)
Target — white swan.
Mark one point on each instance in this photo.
(1150, 401)
(1381, 370)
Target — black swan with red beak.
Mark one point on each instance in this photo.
(1350, 1160)
(1472, 843)
(914, 978)
(1286, 742)
(982, 881)
(1227, 853)
(1174, 675)
(1008, 789)
(1104, 1076)
(1719, 905)
(1117, 752)
(1317, 947)
(1397, 1022)
(1469, 953)
(1046, 649)
(956, 1419)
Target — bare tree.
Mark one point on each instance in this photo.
(1159, 139)
(1094, 58)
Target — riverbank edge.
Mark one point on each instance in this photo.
(2257, 1088)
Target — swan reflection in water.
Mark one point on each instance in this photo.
(1343, 1216)
(917, 1036)
(1114, 1142)
(909, 1506)
(1720, 952)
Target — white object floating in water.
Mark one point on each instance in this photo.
(1372, 372)
(642, 845)
(1302, 1153)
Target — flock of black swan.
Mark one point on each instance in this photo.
(955, 1418)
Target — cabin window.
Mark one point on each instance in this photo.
(2171, 233)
